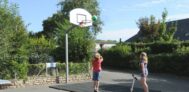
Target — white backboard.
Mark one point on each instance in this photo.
(78, 16)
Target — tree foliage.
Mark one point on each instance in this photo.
(40, 50)
(81, 40)
(18, 47)
(13, 50)
(151, 29)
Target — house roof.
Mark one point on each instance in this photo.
(182, 32)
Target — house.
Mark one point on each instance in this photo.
(104, 45)
(182, 32)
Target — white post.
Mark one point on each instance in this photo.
(67, 67)
(46, 70)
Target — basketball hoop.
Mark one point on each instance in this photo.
(81, 17)
(84, 23)
(81, 24)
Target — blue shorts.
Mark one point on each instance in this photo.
(96, 76)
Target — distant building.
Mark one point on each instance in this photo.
(104, 46)
(182, 32)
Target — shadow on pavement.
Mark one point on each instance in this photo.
(87, 87)
(120, 88)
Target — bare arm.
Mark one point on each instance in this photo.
(142, 68)
(92, 64)
(101, 58)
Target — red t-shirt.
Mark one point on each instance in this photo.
(97, 65)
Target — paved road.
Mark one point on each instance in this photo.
(165, 83)
(33, 89)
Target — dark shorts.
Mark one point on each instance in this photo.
(96, 76)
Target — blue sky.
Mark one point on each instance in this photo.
(119, 16)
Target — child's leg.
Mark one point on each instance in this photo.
(97, 85)
(94, 80)
(144, 84)
(97, 81)
(94, 85)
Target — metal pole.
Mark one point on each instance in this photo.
(67, 67)
(66, 52)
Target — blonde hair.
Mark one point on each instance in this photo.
(97, 56)
(143, 56)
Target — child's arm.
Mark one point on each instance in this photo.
(142, 68)
(101, 58)
(92, 64)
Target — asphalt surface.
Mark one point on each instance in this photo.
(33, 89)
(162, 82)
(113, 81)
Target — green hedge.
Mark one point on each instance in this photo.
(185, 43)
(163, 47)
(161, 63)
(34, 69)
(13, 69)
(117, 56)
(139, 47)
(158, 47)
(163, 57)
(74, 68)
(170, 63)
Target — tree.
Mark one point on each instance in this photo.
(81, 40)
(166, 32)
(40, 49)
(50, 25)
(81, 43)
(13, 56)
(151, 29)
(148, 28)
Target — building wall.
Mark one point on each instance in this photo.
(105, 46)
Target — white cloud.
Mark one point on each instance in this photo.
(157, 1)
(177, 17)
(150, 3)
(61, 0)
(129, 8)
(181, 6)
(140, 6)
(124, 34)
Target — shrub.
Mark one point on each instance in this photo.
(164, 58)
(74, 68)
(163, 47)
(34, 69)
(186, 43)
(117, 56)
(13, 69)
(183, 49)
(170, 63)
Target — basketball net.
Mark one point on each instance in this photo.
(84, 22)
(81, 24)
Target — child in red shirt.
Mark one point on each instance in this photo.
(96, 66)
